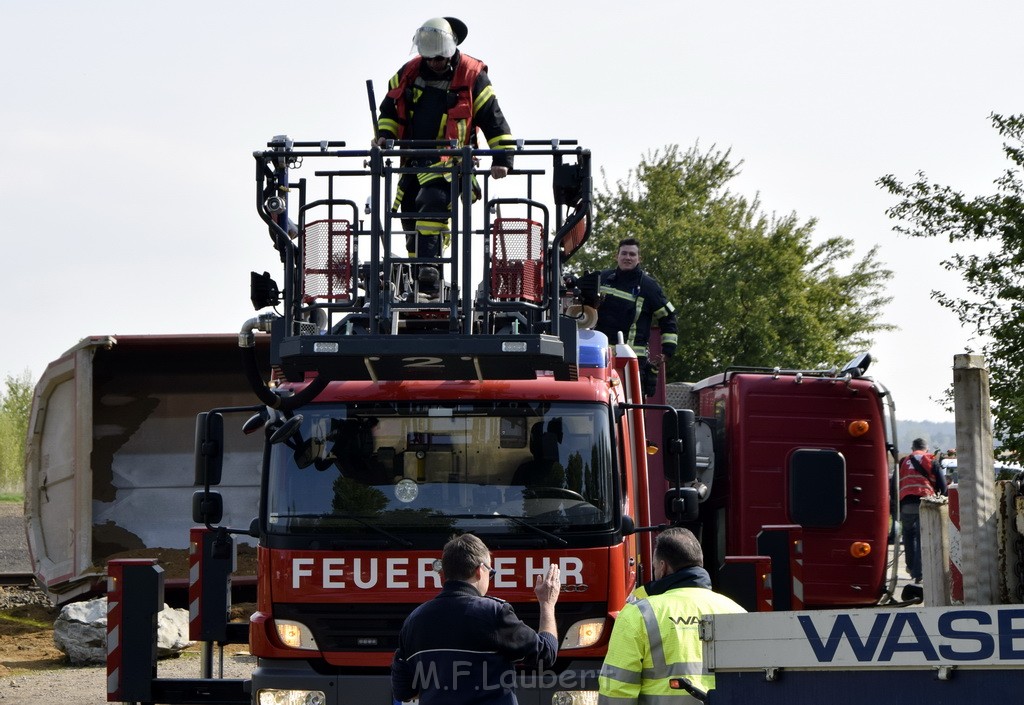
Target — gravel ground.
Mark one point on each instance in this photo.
(45, 680)
(88, 685)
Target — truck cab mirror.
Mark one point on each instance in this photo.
(255, 422)
(682, 504)
(286, 430)
(628, 525)
(678, 435)
(209, 449)
(207, 507)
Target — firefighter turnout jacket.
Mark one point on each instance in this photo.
(632, 302)
(423, 105)
(657, 638)
(459, 649)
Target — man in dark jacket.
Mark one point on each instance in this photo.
(633, 301)
(440, 95)
(460, 647)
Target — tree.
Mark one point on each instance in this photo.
(749, 289)
(15, 406)
(993, 272)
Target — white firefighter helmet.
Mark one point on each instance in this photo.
(439, 36)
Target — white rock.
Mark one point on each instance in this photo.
(80, 632)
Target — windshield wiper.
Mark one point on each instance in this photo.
(383, 532)
(515, 520)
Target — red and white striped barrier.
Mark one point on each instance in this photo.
(956, 574)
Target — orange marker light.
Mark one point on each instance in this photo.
(858, 428)
(860, 549)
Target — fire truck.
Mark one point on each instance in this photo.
(398, 416)
(413, 398)
(810, 454)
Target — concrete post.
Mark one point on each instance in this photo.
(975, 460)
(935, 551)
(1008, 518)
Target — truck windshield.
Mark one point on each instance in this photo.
(511, 467)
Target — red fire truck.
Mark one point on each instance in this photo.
(811, 450)
(398, 415)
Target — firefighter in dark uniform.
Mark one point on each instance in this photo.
(441, 94)
(460, 647)
(632, 302)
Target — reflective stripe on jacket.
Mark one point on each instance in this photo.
(655, 639)
(632, 302)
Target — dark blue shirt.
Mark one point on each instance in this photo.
(460, 647)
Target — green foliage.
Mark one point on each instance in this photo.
(989, 234)
(749, 289)
(15, 406)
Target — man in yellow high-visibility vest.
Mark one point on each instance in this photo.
(656, 636)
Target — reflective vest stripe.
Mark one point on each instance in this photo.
(660, 668)
(653, 638)
(620, 674)
(675, 669)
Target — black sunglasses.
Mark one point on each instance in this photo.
(490, 571)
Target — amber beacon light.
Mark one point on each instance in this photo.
(858, 428)
(860, 549)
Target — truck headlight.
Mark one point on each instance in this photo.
(295, 635)
(274, 696)
(586, 632)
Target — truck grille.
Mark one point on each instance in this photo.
(371, 628)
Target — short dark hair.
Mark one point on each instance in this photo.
(919, 444)
(462, 555)
(679, 548)
(628, 241)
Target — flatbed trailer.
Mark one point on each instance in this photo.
(935, 655)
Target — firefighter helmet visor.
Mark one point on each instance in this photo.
(439, 36)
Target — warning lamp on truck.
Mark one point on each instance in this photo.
(858, 428)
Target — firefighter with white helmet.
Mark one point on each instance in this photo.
(441, 94)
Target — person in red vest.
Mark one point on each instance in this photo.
(445, 95)
(920, 476)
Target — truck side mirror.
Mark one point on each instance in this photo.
(682, 503)
(284, 431)
(207, 507)
(209, 452)
(678, 435)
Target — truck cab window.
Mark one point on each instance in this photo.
(423, 467)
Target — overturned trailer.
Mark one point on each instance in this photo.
(109, 462)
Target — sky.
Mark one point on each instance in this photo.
(130, 126)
